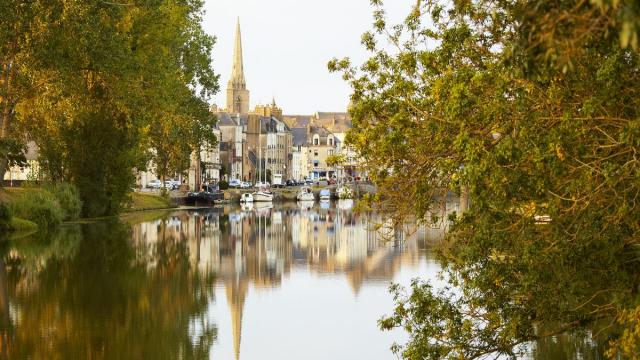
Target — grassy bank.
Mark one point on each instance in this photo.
(143, 202)
(30, 208)
(14, 223)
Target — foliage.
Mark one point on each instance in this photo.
(41, 207)
(223, 185)
(5, 216)
(69, 199)
(336, 160)
(533, 107)
(12, 153)
(96, 111)
(22, 225)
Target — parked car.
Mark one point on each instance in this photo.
(154, 184)
(308, 182)
(245, 185)
(235, 183)
(168, 184)
(291, 183)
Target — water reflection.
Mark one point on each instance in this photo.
(256, 246)
(89, 292)
(255, 281)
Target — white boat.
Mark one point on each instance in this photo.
(305, 194)
(246, 198)
(325, 195)
(344, 192)
(264, 194)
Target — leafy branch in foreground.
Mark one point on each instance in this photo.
(533, 107)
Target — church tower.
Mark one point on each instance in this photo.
(237, 93)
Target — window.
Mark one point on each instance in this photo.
(315, 163)
(316, 139)
(315, 153)
(330, 140)
(330, 152)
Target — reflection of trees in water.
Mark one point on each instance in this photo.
(101, 300)
(576, 345)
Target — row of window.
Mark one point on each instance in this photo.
(316, 140)
(278, 146)
(315, 152)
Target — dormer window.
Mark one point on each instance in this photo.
(316, 139)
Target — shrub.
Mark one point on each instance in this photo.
(5, 217)
(223, 185)
(41, 207)
(69, 199)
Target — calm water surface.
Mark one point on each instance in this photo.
(295, 281)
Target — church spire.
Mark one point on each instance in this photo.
(237, 93)
(237, 72)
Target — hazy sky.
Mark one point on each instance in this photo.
(286, 47)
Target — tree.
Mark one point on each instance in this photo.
(532, 106)
(94, 110)
(336, 160)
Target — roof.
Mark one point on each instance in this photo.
(299, 136)
(226, 119)
(269, 123)
(297, 121)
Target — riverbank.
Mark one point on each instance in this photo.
(144, 202)
(31, 208)
(15, 223)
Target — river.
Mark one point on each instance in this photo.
(292, 281)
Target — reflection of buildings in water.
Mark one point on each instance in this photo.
(200, 232)
(257, 247)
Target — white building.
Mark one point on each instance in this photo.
(31, 171)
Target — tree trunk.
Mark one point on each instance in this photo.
(8, 74)
(3, 170)
(464, 199)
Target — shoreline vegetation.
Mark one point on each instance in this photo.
(31, 208)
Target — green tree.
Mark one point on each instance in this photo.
(95, 111)
(336, 160)
(533, 107)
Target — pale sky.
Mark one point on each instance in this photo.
(286, 47)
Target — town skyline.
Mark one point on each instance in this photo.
(273, 63)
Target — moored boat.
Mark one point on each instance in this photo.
(325, 195)
(305, 194)
(264, 194)
(246, 198)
